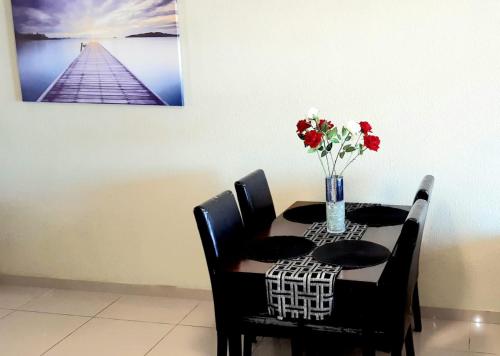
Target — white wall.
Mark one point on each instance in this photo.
(105, 193)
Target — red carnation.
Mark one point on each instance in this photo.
(365, 127)
(302, 125)
(313, 138)
(372, 142)
(327, 125)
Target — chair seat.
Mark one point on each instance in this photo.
(265, 325)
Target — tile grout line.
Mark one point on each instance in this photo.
(65, 337)
(172, 329)
(10, 312)
(33, 298)
(136, 321)
(469, 337)
(78, 328)
(51, 313)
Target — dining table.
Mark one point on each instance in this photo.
(245, 278)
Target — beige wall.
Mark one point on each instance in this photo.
(105, 193)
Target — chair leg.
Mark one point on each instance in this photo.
(417, 318)
(410, 348)
(221, 344)
(247, 344)
(235, 345)
(296, 346)
(368, 351)
(368, 346)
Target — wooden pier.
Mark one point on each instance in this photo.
(96, 76)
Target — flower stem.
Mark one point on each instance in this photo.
(338, 153)
(334, 172)
(322, 165)
(349, 163)
(325, 144)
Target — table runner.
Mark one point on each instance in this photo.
(302, 288)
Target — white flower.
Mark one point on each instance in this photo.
(353, 127)
(312, 113)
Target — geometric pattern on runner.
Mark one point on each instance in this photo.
(301, 287)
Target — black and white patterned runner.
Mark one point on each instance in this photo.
(303, 288)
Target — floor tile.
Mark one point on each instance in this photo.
(27, 333)
(442, 335)
(485, 338)
(71, 302)
(105, 337)
(152, 309)
(202, 315)
(12, 297)
(187, 341)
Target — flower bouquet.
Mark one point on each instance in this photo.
(336, 147)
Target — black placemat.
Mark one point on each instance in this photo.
(351, 254)
(378, 216)
(275, 248)
(306, 214)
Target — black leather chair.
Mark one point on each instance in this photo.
(221, 231)
(220, 227)
(424, 192)
(385, 324)
(255, 200)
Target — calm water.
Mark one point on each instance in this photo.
(155, 61)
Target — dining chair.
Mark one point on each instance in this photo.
(220, 227)
(255, 200)
(222, 233)
(424, 192)
(384, 322)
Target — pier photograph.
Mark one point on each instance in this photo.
(99, 51)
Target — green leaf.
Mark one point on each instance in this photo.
(335, 131)
(311, 150)
(347, 146)
(344, 131)
(341, 154)
(329, 147)
(324, 153)
(334, 140)
(350, 149)
(348, 137)
(320, 148)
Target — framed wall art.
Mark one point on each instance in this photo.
(99, 51)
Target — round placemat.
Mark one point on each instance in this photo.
(378, 216)
(275, 248)
(306, 214)
(351, 254)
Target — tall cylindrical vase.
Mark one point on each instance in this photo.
(335, 205)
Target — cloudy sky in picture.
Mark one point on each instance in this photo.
(94, 18)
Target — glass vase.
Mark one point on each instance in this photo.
(335, 204)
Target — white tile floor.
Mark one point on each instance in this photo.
(37, 321)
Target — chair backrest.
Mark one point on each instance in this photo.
(256, 202)
(220, 227)
(425, 189)
(402, 271)
(424, 192)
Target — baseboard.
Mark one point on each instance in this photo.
(203, 294)
(461, 315)
(108, 287)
